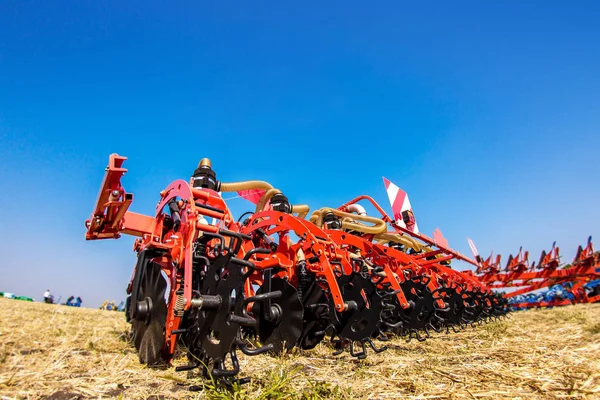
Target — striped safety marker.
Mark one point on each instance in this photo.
(399, 202)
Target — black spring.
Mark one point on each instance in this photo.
(303, 280)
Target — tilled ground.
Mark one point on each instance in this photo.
(59, 352)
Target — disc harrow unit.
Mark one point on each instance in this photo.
(276, 278)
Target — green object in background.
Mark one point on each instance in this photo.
(12, 296)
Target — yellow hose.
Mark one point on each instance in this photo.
(264, 199)
(301, 209)
(237, 186)
(405, 240)
(246, 185)
(379, 225)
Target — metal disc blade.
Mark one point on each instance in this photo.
(285, 331)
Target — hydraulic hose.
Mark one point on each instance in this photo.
(264, 199)
(301, 209)
(405, 240)
(379, 225)
(245, 185)
(356, 208)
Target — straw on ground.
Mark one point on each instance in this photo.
(59, 352)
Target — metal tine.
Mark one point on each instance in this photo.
(360, 355)
(382, 337)
(222, 371)
(393, 326)
(389, 294)
(339, 351)
(189, 367)
(377, 350)
(436, 329)
(253, 352)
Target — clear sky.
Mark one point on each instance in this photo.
(486, 113)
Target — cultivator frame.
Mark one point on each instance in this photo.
(276, 276)
(576, 280)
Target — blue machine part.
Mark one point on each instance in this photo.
(557, 292)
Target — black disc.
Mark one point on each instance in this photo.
(499, 304)
(454, 312)
(148, 329)
(210, 333)
(475, 307)
(362, 322)
(216, 332)
(488, 306)
(138, 328)
(316, 317)
(283, 332)
(422, 308)
(151, 345)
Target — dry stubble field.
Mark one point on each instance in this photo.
(60, 353)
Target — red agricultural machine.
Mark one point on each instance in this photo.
(340, 275)
(577, 282)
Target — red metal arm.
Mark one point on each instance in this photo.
(110, 217)
(400, 229)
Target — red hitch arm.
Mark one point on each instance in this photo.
(110, 217)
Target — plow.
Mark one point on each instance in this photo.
(547, 284)
(281, 277)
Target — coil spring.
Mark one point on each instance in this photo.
(179, 306)
(199, 249)
(303, 280)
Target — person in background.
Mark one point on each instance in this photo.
(48, 298)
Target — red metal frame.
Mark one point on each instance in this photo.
(327, 253)
(110, 219)
(519, 274)
(447, 251)
(430, 263)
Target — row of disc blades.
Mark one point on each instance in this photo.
(210, 336)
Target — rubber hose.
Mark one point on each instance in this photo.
(405, 240)
(245, 185)
(301, 209)
(264, 199)
(379, 225)
(356, 208)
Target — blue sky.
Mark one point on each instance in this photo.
(486, 113)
